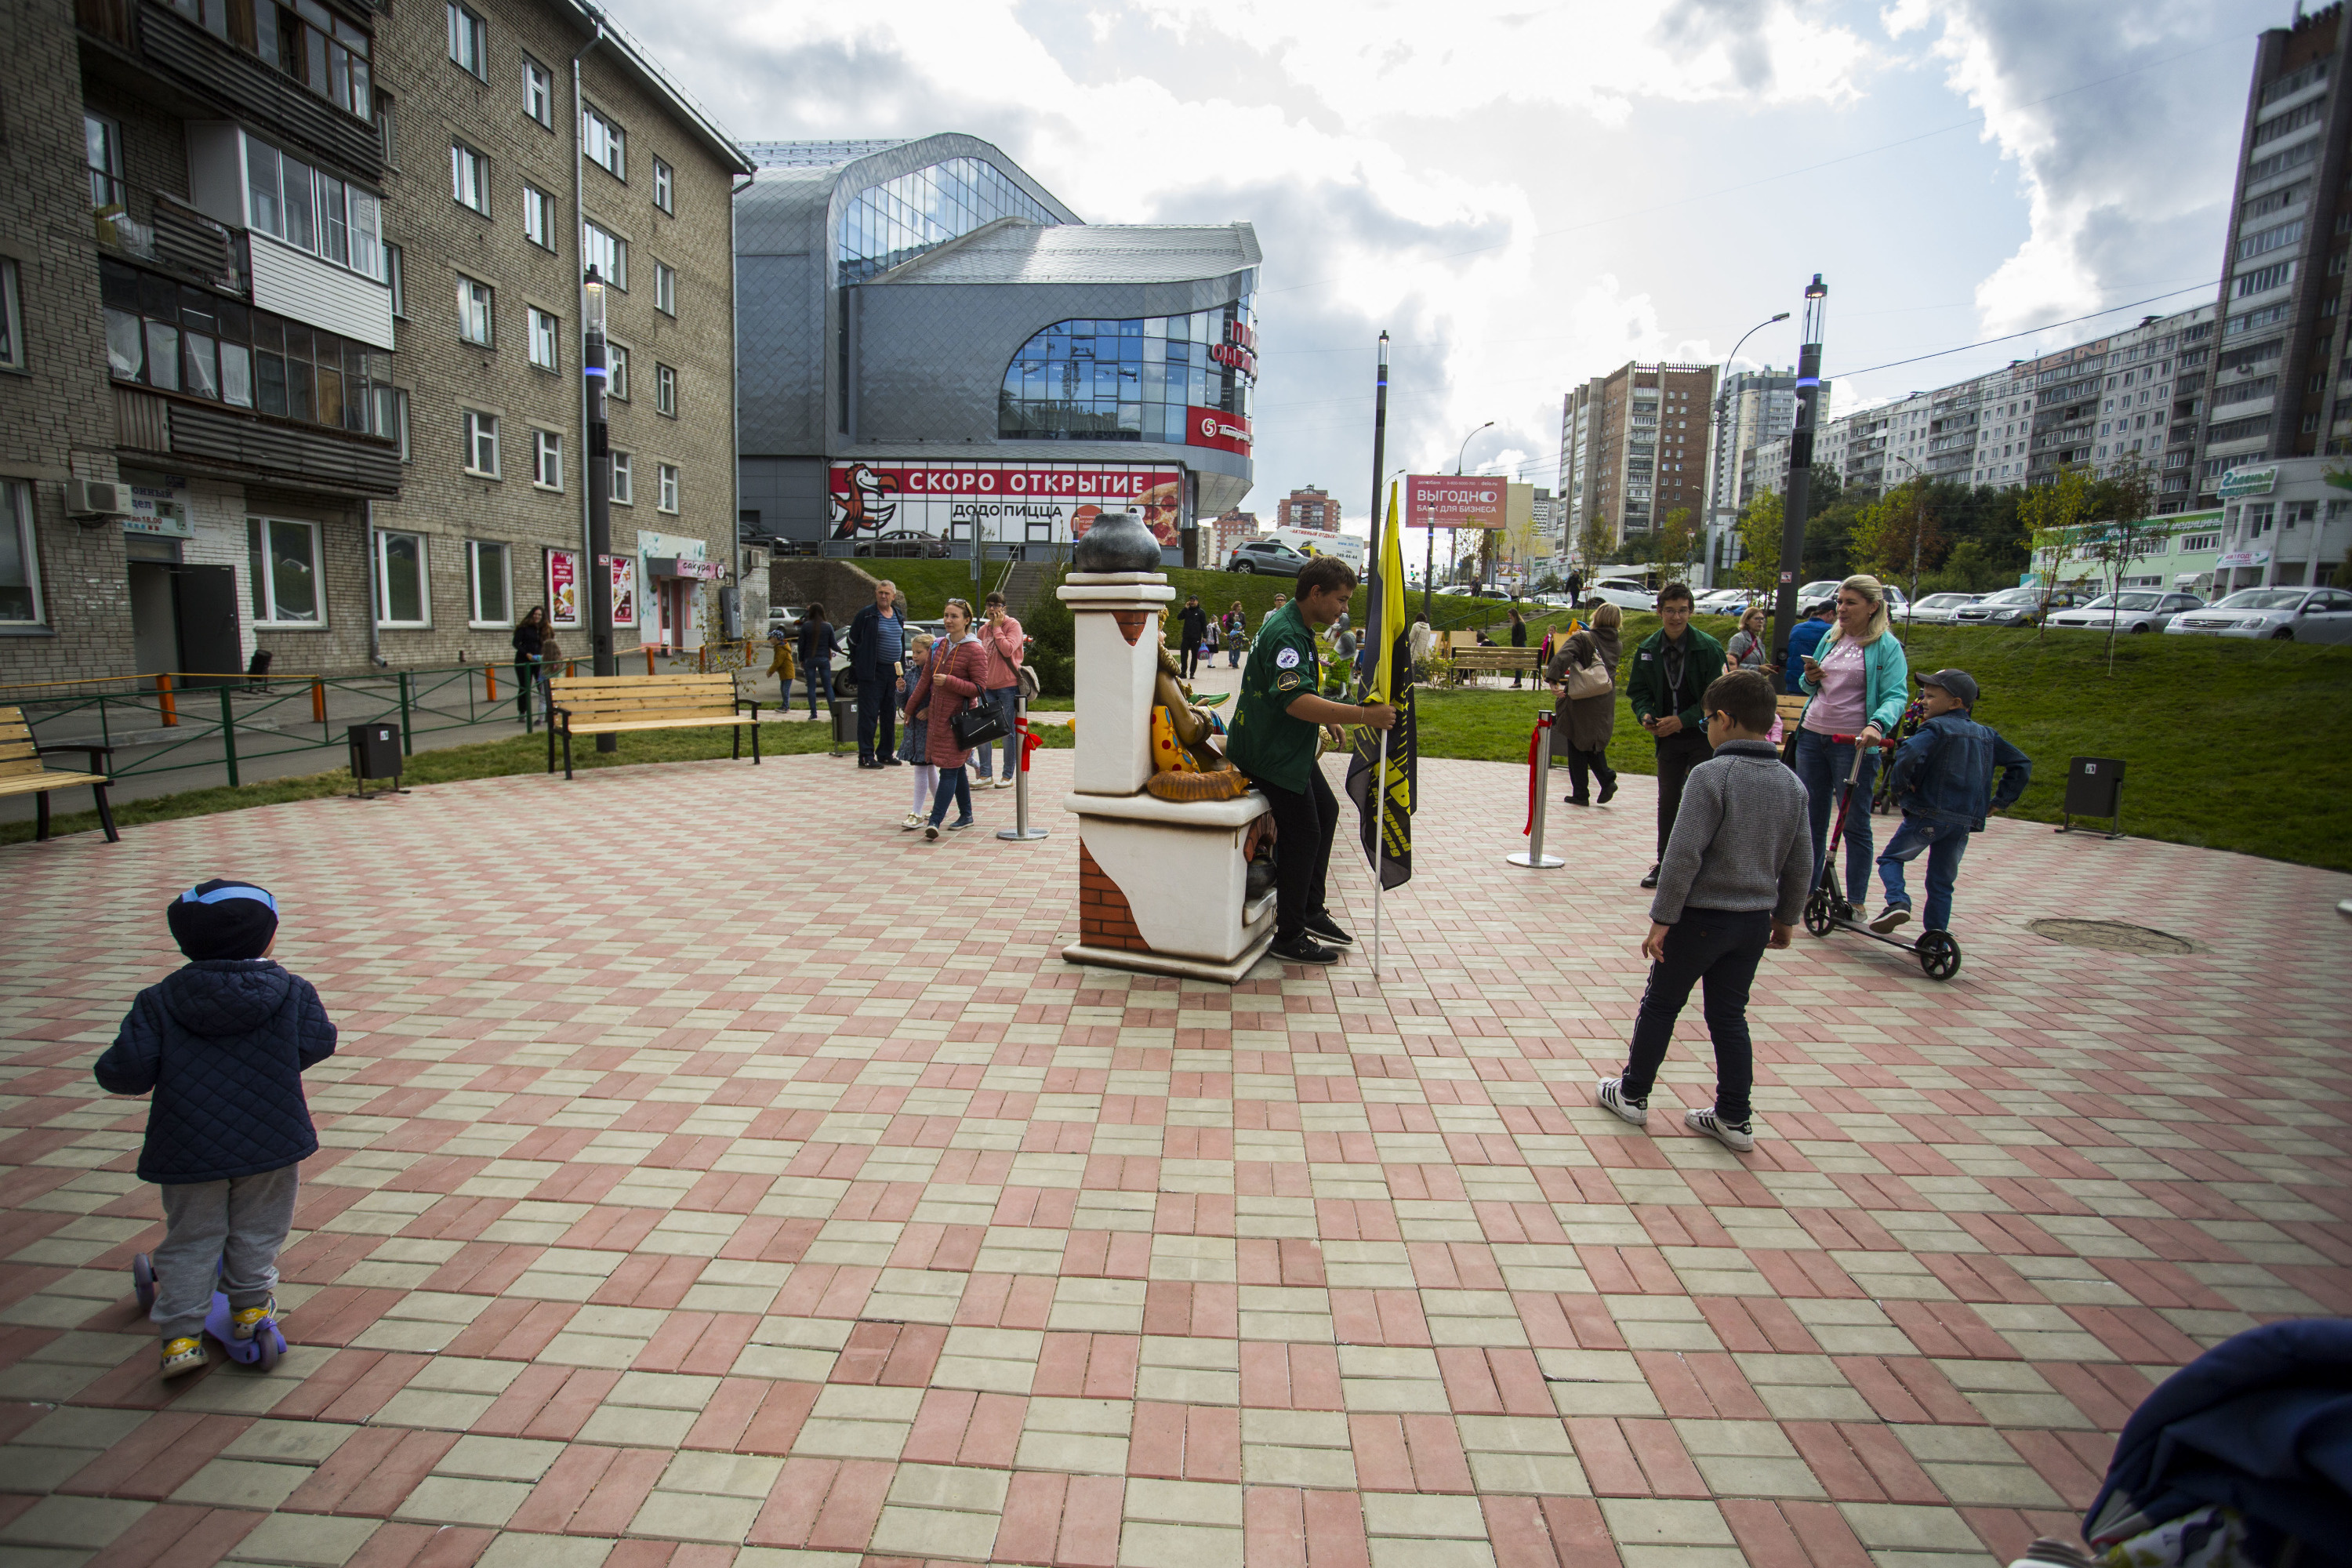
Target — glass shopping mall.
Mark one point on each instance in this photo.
(932, 345)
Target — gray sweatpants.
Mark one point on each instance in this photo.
(237, 1226)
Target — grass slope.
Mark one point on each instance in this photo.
(2227, 744)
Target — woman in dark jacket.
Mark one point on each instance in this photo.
(818, 646)
(528, 633)
(1581, 732)
(1518, 639)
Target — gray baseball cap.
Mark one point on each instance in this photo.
(1958, 682)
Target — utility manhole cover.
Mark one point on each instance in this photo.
(2110, 936)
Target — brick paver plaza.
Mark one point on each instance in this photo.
(712, 1174)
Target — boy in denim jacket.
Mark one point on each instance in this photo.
(1942, 780)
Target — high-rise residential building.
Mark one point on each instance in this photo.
(1634, 446)
(1309, 507)
(1759, 405)
(293, 295)
(1232, 526)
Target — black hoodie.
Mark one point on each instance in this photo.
(223, 1043)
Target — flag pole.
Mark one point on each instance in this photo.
(1383, 637)
(1379, 838)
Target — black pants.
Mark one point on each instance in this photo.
(1717, 950)
(878, 717)
(1594, 762)
(1678, 755)
(1191, 660)
(1304, 822)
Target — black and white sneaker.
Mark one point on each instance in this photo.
(1610, 1098)
(1889, 918)
(1650, 878)
(1302, 949)
(1739, 1137)
(1325, 929)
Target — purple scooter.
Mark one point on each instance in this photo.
(262, 1350)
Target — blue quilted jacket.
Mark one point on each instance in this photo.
(223, 1043)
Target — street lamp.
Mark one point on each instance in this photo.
(600, 495)
(1429, 559)
(1722, 406)
(1917, 528)
(1798, 499)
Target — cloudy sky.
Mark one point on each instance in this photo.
(1526, 197)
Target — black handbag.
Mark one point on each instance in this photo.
(976, 726)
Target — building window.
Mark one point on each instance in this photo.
(282, 568)
(384, 133)
(547, 461)
(1131, 380)
(476, 312)
(537, 92)
(103, 138)
(617, 372)
(884, 225)
(176, 339)
(12, 317)
(325, 53)
(665, 288)
(20, 569)
(2193, 542)
(667, 473)
(665, 187)
(469, 178)
(311, 210)
(538, 217)
(664, 390)
(398, 279)
(545, 331)
(469, 40)
(607, 252)
(605, 143)
(487, 573)
(624, 490)
(401, 596)
(391, 416)
(481, 432)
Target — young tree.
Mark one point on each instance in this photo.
(1759, 543)
(2132, 535)
(1593, 544)
(1677, 543)
(2053, 514)
(1896, 535)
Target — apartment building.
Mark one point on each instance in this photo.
(1229, 528)
(1634, 446)
(291, 359)
(1759, 406)
(1309, 507)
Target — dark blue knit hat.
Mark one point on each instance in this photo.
(222, 919)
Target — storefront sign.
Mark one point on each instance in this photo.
(1436, 501)
(684, 566)
(1218, 430)
(625, 590)
(563, 588)
(2249, 482)
(2244, 558)
(160, 510)
(1008, 503)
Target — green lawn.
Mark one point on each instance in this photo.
(2227, 744)
(520, 755)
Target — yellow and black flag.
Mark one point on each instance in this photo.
(1387, 817)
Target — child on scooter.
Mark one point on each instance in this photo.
(223, 1042)
(1942, 781)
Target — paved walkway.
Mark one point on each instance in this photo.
(713, 1176)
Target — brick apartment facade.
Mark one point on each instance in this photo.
(239, 291)
(1634, 448)
(1308, 508)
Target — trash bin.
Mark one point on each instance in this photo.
(2095, 787)
(376, 755)
(844, 724)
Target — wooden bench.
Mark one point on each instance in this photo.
(1792, 709)
(609, 704)
(1475, 661)
(23, 772)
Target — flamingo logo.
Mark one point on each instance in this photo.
(863, 509)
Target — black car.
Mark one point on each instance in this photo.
(1267, 557)
(904, 541)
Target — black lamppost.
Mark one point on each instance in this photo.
(1801, 461)
(600, 499)
(1722, 406)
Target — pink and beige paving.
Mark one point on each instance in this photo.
(712, 1174)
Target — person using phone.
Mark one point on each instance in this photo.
(1858, 681)
(1001, 647)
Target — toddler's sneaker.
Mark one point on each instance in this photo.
(1736, 1136)
(914, 819)
(1889, 918)
(244, 1323)
(1610, 1096)
(184, 1354)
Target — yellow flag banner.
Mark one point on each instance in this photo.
(1386, 817)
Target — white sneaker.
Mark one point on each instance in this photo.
(1004, 783)
(1610, 1098)
(1889, 918)
(914, 819)
(1736, 1137)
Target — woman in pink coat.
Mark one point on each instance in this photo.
(951, 678)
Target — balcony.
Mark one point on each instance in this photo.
(177, 239)
(209, 436)
(215, 71)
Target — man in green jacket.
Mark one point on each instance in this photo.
(1672, 667)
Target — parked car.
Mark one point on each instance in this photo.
(2017, 606)
(786, 618)
(1821, 593)
(1267, 557)
(1935, 609)
(2287, 615)
(1625, 592)
(904, 543)
(2145, 610)
(1724, 601)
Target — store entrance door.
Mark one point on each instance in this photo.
(674, 599)
(183, 618)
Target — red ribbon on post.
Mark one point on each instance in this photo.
(1534, 775)
(1030, 739)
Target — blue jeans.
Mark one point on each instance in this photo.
(1822, 769)
(954, 783)
(819, 682)
(1717, 950)
(1003, 700)
(1944, 844)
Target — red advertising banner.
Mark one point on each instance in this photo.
(1438, 501)
(1211, 428)
(625, 590)
(1007, 503)
(563, 588)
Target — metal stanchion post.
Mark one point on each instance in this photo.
(1540, 784)
(1021, 829)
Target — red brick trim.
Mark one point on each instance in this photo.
(1130, 623)
(1105, 917)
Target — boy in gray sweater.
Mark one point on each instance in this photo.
(1732, 883)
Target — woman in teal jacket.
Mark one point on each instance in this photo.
(1856, 683)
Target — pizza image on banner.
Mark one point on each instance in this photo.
(1006, 503)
